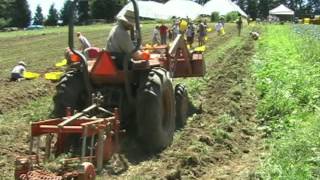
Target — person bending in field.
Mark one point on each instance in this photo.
(17, 71)
(254, 35)
(83, 41)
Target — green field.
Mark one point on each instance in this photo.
(41, 49)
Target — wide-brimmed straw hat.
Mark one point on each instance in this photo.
(22, 63)
(128, 17)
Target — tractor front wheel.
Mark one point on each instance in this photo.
(155, 110)
(69, 93)
(182, 103)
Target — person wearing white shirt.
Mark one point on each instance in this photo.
(156, 35)
(83, 41)
(17, 71)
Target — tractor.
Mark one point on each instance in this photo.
(96, 100)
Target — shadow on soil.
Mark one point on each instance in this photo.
(132, 152)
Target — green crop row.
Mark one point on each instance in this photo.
(287, 69)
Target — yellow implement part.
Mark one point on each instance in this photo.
(206, 38)
(200, 49)
(61, 63)
(31, 75)
(209, 29)
(55, 76)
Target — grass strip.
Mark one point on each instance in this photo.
(288, 102)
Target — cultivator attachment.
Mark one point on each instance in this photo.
(178, 60)
(184, 63)
(91, 141)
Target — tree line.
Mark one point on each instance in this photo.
(17, 12)
(260, 8)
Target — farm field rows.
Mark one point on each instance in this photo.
(258, 101)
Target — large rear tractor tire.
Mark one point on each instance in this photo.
(70, 92)
(155, 111)
(182, 105)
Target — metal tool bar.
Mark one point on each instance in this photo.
(84, 143)
(91, 148)
(72, 118)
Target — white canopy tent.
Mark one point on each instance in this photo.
(182, 9)
(281, 10)
(222, 6)
(147, 9)
(155, 10)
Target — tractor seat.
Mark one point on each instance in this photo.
(92, 53)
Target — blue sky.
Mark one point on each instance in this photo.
(45, 5)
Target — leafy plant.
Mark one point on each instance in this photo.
(232, 16)
(214, 16)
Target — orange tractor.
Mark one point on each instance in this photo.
(96, 99)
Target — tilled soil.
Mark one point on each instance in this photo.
(15, 94)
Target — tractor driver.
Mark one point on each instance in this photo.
(119, 41)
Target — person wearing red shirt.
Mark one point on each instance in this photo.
(163, 34)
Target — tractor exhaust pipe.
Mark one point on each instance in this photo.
(71, 25)
(83, 60)
(137, 20)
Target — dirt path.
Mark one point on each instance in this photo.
(220, 143)
(231, 107)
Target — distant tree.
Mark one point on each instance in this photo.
(242, 4)
(232, 16)
(5, 12)
(53, 16)
(263, 8)
(160, 1)
(38, 16)
(20, 13)
(102, 9)
(83, 11)
(315, 5)
(252, 9)
(202, 2)
(64, 12)
(3, 23)
(5, 7)
(214, 16)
